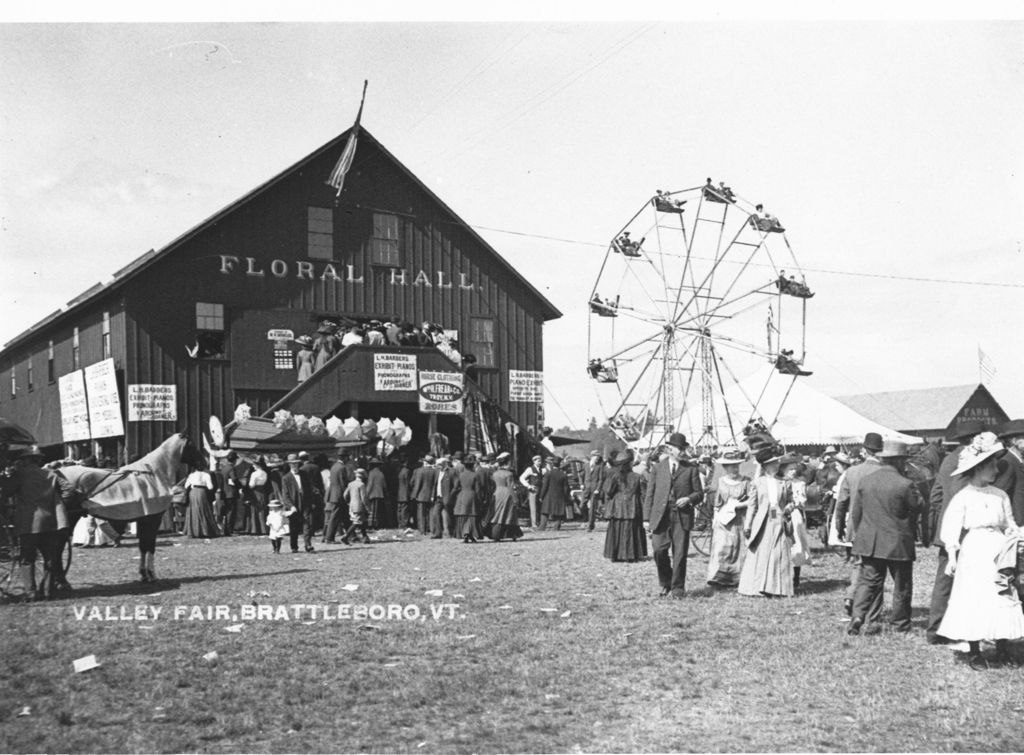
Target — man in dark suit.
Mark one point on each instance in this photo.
(869, 449)
(555, 497)
(945, 487)
(673, 490)
(439, 515)
(313, 496)
(422, 486)
(336, 512)
(593, 487)
(1012, 436)
(229, 489)
(402, 494)
(293, 499)
(883, 508)
(376, 493)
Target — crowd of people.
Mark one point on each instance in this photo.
(331, 337)
(880, 506)
(302, 496)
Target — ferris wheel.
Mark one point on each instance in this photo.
(698, 292)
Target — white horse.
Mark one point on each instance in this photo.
(139, 492)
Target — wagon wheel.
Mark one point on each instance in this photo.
(700, 535)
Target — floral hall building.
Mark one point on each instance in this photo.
(217, 319)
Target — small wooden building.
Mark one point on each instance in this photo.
(202, 325)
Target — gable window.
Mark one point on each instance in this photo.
(106, 335)
(384, 242)
(481, 340)
(51, 374)
(76, 351)
(320, 233)
(209, 331)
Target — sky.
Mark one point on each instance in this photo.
(890, 147)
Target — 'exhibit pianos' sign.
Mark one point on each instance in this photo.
(441, 392)
(525, 385)
(394, 372)
(152, 403)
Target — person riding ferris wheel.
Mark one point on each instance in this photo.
(698, 289)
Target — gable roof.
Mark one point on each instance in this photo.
(134, 268)
(917, 409)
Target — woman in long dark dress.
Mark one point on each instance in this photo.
(467, 494)
(257, 491)
(199, 519)
(625, 539)
(501, 520)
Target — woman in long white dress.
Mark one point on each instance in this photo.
(730, 503)
(790, 468)
(983, 604)
(768, 567)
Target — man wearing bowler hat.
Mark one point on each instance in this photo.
(673, 490)
(883, 508)
(945, 487)
(1012, 465)
(869, 450)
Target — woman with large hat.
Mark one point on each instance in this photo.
(983, 604)
(625, 538)
(304, 357)
(768, 565)
(199, 519)
(730, 504)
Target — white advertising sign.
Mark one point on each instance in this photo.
(394, 372)
(441, 392)
(152, 403)
(525, 385)
(74, 408)
(104, 402)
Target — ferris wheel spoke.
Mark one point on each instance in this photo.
(637, 381)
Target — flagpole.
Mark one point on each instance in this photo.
(337, 178)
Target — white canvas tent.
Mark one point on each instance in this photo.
(805, 416)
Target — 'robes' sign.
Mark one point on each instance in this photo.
(525, 385)
(104, 402)
(394, 372)
(152, 403)
(74, 409)
(441, 392)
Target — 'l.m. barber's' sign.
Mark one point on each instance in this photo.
(305, 270)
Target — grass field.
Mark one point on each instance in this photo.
(612, 668)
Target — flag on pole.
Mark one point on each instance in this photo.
(337, 178)
(986, 369)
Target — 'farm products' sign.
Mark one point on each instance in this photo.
(394, 372)
(231, 264)
(525, 385)
(74, 408)
(152, 403)
(440, 392)
(104, 401)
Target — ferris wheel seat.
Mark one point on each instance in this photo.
(716, 195)
(668, 205)
(627, 250)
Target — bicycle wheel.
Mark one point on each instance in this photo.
(700, 535)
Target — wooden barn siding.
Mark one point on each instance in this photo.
(157, 321)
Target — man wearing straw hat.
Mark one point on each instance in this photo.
(883, 508)
(673, 489)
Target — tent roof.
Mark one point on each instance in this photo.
(805, 416)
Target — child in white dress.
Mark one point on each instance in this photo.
(277, 524)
